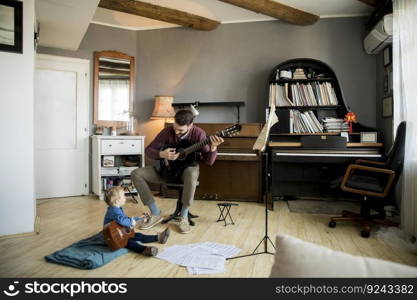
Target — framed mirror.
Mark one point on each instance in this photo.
(114, 81)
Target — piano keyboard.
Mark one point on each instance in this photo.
(235, 154)
(327, 154)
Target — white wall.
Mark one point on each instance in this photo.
(17, 197)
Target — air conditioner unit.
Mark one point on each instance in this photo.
(380, 36)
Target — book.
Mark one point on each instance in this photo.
(299, 74)
(304, 122)
(286, 94)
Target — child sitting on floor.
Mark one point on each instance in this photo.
(115, 199)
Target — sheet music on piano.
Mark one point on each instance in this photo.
(262, 139)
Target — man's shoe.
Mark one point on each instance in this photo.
(152, 221)
(163, 236)
(184, 225)
(150, 251)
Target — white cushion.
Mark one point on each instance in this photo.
(297, 258)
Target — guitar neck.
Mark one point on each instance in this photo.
(196, 146)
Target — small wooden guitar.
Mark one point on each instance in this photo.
(173, 169)
(116, 236)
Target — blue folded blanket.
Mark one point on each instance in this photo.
(89, 253)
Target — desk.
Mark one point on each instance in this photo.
(297, 171)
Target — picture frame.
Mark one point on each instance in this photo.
(369, 137)
(387, 56)
(386, 80)
(11, 26)
(390, 80)
(387, 107)
(36, 36)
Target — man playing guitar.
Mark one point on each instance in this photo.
(182, 129)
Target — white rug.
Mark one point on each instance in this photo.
(397, 238)
(322, 207)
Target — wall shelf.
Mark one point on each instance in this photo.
(196, 104)
(283, 80)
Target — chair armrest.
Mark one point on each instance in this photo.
(369, 162)
(350, 170)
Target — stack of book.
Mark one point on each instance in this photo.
(109, 171)
(278, 95)
(109, 182)
(311, 94)
(335, 125)
(304, 122)
(299, 74)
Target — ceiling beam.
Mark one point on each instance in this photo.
(160, 13)
(276, 10)
(373, 3)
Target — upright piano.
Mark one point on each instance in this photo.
(237, 172)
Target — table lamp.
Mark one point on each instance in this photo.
(163, 108)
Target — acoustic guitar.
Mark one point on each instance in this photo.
(116, 236)
(173, 169)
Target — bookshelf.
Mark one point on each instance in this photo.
(305, 163)
(284, 80)
(312, 105)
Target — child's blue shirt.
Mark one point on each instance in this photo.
(117, 214)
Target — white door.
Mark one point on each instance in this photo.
(61, 126)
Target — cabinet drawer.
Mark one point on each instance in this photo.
(121, 147)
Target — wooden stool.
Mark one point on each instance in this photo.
(225, 206)
(176, 215)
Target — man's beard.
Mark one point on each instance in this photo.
(181, 135)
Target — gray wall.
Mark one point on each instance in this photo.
(99, 38)
(384, 124)
(233, 62)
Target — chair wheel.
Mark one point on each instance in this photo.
(332, 224)
(365, 234)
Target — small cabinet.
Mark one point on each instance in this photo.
(121, 146)
(114, 159)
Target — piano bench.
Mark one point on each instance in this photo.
(176, 215)
(226, 206)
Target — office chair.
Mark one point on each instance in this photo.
(375, 181)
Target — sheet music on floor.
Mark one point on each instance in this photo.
(201, 258)
(214, 262)
(201, 271)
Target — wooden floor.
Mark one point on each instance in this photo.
(67, 220)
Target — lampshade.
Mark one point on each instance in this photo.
(163, 107)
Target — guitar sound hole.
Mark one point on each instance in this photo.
(182, 155)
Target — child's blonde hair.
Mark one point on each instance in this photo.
(113, 196)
